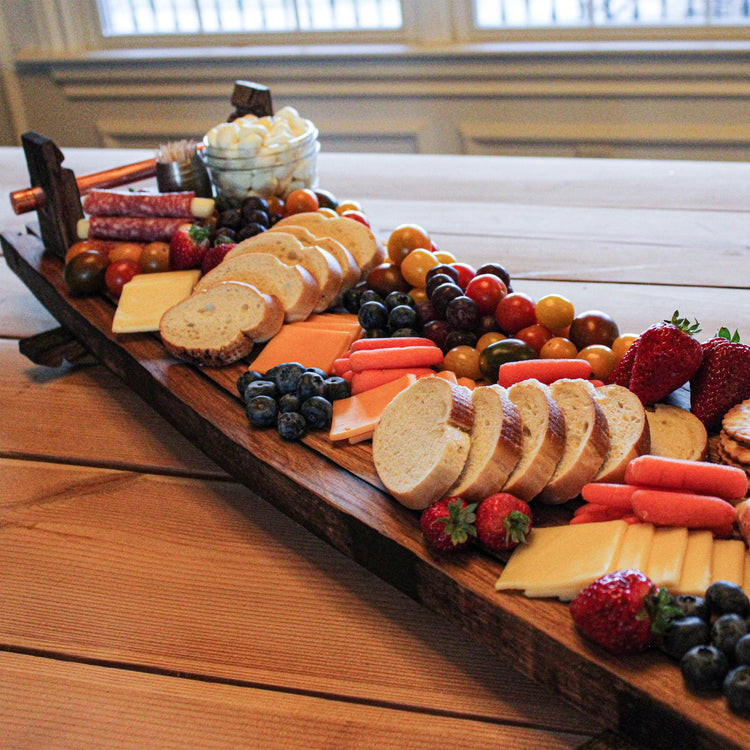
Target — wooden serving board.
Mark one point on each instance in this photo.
(334, 492)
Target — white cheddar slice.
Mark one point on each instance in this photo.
(558, 561)
(147, 296)
(728, 561)
(636, 546)
(696, 568)
(667, 555)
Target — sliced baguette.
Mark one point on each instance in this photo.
(676, 433)
(586, 440)
(495, 444)
(293, 286)
(543, 439)
(629, 434)
(422, 440)
(323, 267)
(219, 325)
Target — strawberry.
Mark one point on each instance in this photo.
(188, 246)
(214, 255)
(503, 522)
(663, 358)
(722, 380)
(448, 524)
(623, 611)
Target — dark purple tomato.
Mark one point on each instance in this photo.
(462, 313)
(507, 350)
(442, 296)
(459, 338)
(496, 270)
(326, 199)
(84, 273)
(425, 311)
(387, 278)
(435, 281)
(593, 327)
(487, 324)
(436, 331)
(443, 268)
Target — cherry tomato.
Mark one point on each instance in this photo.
(555, 312)
(275, 205)
(84, 246)
(405, 238)
(463, 361)
(535, 335)
(301, 200)
(507, 350)
(622, 343)
(415, 266)
(154, 257)
(593, 327)
(329, 213)
(486, 290)
(489, 338)
(445, 257)
(357, 216)
(387, 278)
(326, 199)
(418, 294)
(84, 273)
(118, 274)
(348, 205)
(122, 250)
(515, 311)
(558, 347)
(465, 273)
(496, 270)
(600, 358)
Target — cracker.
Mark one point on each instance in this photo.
(736, 422)
(734, 449)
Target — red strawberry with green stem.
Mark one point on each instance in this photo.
(722, 380)
(188, 246)
(503, 522)
(448, 524)
(623, 611)
(663, 358)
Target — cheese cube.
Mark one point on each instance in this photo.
(664, 566)
(696, 568)
(636, 546)
(728, 561)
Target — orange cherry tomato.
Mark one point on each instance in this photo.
(555, 312)
(276, 205)
(154, 257)
(85, 246)
(125, 251)
(415, 266)
(301, 200)
(463, 361)
(405, 238)
(489, 338)
(558, 347)
(418, 294)
(348, 205)
(445, 257)
(622, 343)
(600, 358)
(329, 213)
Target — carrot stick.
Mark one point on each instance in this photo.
(341, 365)
(591, 512)
(612, 495)
(448, 375)
(544, 370)
(467, 383)
(407, 356)
(367, 379)
(728, 482)
(672, 508)
(390, 343)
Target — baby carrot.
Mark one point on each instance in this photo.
(390, 343)
(610, 494)
(544, 370)
(728, 482)
(341, 365)
(407, 356)
(673, 508)
(368, 379)
(589, 512)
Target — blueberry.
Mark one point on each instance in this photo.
(401, 333)
(402, 316)
(257, 217)
(373, 314)
(261, 411)
(250, 230)
(261, 388)
(462, 313)
(336, 387)
(724, 597)
(684, 634)
(370, 295)
(224, 235)
(736, 689)
(442, 295)
(726, 631)
(289, 402)
(704, 668)
(253, 203)
(435, 281)
(742, 650)
(693, 606)
(244, 380)
(286, 376)
(230, 218)
(317, 412)
(323, 374)
(352, 300)
(291, 425)
(310, 384)
(394, 299)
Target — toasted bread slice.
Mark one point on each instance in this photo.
(676, 433)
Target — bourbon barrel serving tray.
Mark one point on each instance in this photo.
(334, 492)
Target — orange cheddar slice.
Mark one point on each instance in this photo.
(356, 417)
(311, 347)
(346, 321)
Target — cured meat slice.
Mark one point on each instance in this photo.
(133, 228)
(182, 204)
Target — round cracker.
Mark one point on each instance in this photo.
(734, 449)
(736, 422)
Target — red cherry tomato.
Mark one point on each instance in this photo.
(357, 216)
(118, 274)
(486, 290)
(515, 311)
(535, 335)
(465, 273)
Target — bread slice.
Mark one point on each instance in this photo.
(219, 325)
(323, 267)
(586, 440)
(422, 440)
(495, 444)
(293, 286)
(350, 271)
(676, 433)
(543, 439)
(629, 434)
(353, 235)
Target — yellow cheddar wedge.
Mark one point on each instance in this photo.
(147, 296)
(728, 561)
(664, 566)
(696, 567)
(636, 547)
(558, 561)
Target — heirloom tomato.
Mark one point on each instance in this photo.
(507, 350)
(387, 278)
(558, 347)
(84, 273)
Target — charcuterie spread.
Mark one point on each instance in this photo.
(481, 403)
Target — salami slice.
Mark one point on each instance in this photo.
(133, 228)
(128, 203)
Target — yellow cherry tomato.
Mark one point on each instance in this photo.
(125, 251)
(489, 338)
(445, 257)
(463, 361)
(348, 205)
(418, 294)
(329, 213)
(415, 266)
(558, 347)
(600, 358)
(405, 238)
(622, 343)
(554, 312)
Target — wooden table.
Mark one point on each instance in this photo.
(148, 600)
